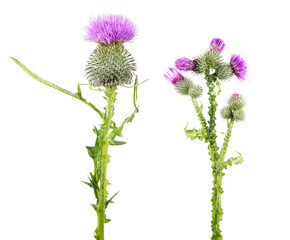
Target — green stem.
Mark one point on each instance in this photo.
(104, 160)
(226, 140)
(200, 115)
(216, 166)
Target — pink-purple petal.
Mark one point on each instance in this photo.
(217, 44)
(110, 28)
(238, 66)
(174, 76)
(184, 64)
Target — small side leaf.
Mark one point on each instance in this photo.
(79, 93)
(234, 160)
(194, 133)
(114, 142)
(110, 200)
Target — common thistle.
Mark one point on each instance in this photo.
(109, 66)
(215, 71)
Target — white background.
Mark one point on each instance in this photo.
(164, 179)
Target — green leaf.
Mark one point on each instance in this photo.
(79, 93)
(135, 94)
(234, 160)
(92, 151)
(95, 207)
(194, 133)
(87, 183)
(114, 142)
(110, 200)
(107, 220)
(47, 83)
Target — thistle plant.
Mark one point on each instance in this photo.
(216, 72)
(110, 65)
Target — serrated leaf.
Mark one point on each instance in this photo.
(92, 151)
(192, 133)
(87, 183)
(95, 207)
(234, 160)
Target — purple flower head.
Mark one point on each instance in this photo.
(110, 28)
(173, 76)
(238, 67)
(217, 44)
(184, 64)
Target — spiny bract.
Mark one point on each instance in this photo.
(110, 65)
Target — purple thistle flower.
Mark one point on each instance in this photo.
(184, 64)
(217, 44)
(238, 67)
(174, 76)
(235, 96)
(110, 28)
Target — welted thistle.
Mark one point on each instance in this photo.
(109, 66)
(215, 71)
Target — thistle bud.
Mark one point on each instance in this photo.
(223, 72)
(239, 115)
(226, 113)
(184, 87)
(236, 101)
(234, 110)
(110, 65)
(195, 91)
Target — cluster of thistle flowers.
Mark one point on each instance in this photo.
(222, 72)
(110, 64)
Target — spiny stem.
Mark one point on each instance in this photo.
(226, 140)
(103, 161)
(216, 166)
(200, 115)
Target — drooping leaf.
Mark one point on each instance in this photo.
(47, 83)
